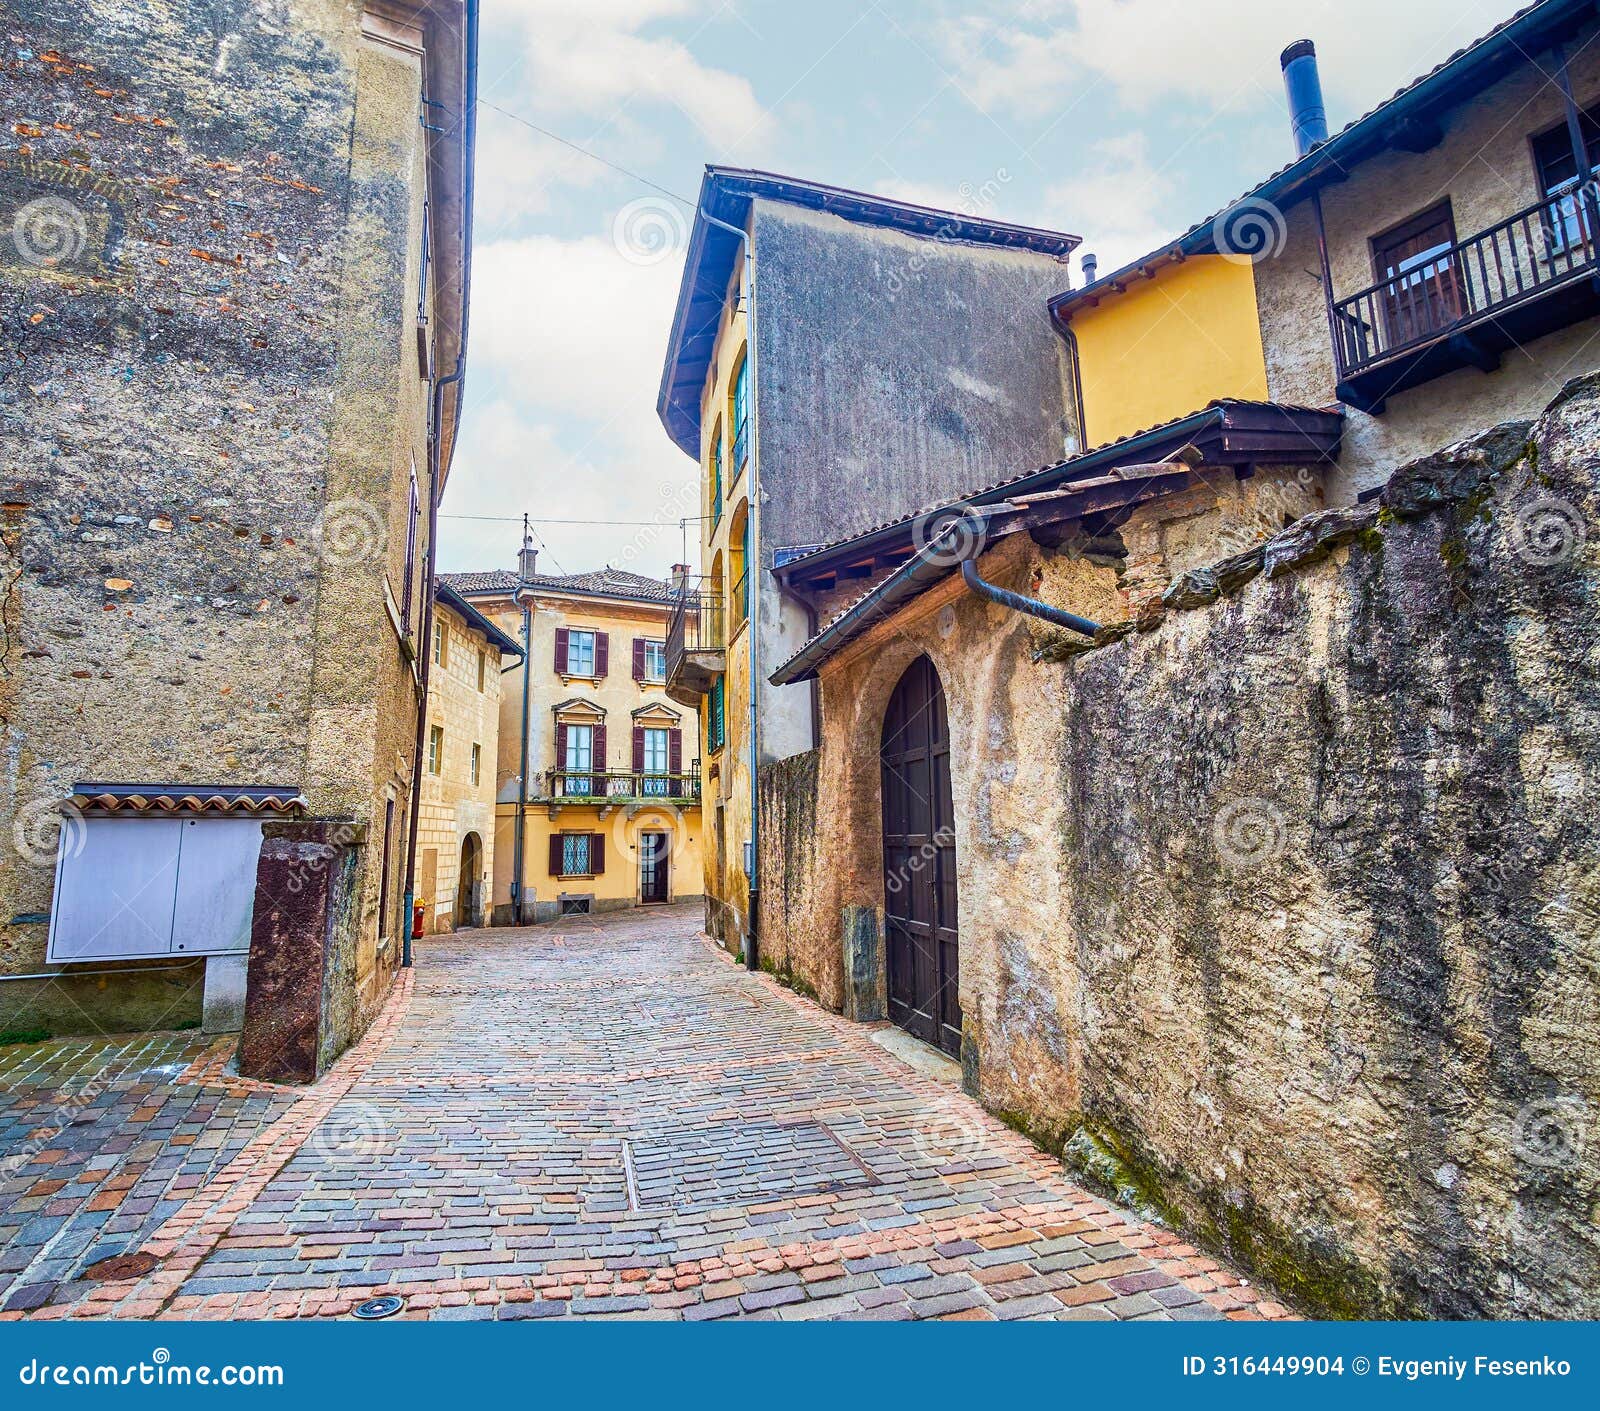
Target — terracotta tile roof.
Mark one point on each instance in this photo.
(604, 582)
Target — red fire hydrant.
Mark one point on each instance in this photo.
(419, 911)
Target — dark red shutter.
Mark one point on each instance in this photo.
(638, 749)
(600, 753)
(561, 746)
(561, 649)
(675, 759)
(638, 668)
(602, 652)
(555, 854)
(597, 853)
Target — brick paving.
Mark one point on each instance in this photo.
(606, 1119)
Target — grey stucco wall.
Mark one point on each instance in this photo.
(892, 373)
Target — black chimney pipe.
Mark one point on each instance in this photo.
(1308, 117)
(1091, 268)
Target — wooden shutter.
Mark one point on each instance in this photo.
(597, 853)
(561, 649)
(555, 855)
(561, 747)
(599, 760)
(675, 751)
(602, 651)
(638, 666)
(638, 749)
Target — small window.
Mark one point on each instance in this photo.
(575, 855)
(477, 761)
(435, 748)
(440, 652)
(411, 549)
(1559, 179)
(741, 415)
(483, 668)
(716, 474)
(655, 661)
(580, 653)
(716, 735)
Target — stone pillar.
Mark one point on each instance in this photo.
(222, 1009)
(307, 911)
(866, 978)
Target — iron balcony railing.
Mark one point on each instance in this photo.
(696, 625)
(609, 786)
(1525, 255)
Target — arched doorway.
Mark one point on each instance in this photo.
(919, 861)
(469, 880)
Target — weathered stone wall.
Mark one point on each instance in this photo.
(209, 407)
(1281, 916)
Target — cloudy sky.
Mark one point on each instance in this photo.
(1123, 121)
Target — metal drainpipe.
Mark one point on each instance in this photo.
(752, 570)
(1032, 606)
(518, 843)
(469, 130)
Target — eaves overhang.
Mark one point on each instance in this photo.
(726, 194)
(444, 593)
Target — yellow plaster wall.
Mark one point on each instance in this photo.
(1168, 345)
(452, 806)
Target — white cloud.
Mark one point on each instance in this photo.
(1113, 200)
(1040, 56)
(565, 357)
(589, 57)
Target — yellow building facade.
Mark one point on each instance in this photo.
(598, 772)
(456, 803)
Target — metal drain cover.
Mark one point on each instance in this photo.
(121, 1266)
(385, 1307)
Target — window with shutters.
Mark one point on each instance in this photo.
(655, 761)
(716, 734)
(741, 415)
(575, 855)
(655, 660)
(580, 653)
(440, 650)
(435, 748)
(579, 761)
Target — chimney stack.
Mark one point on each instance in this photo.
(1308, 118)
(1091, 268)
(527, 560)
(678, 578)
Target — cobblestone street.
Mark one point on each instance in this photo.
(600, 1118)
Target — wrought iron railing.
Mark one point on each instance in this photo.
(1523, 256)
(696, 625)
(610, 786)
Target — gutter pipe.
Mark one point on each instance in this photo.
(469, 125)
(752, 570)
(1018, 603)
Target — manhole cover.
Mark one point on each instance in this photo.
(121, 1266)
(385, 1307)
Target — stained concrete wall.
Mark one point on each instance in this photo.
(211, 407)
(1280, 918)
(1485, 167)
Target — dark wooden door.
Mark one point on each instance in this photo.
(919, 861)
(652, 867)
(1422, 290)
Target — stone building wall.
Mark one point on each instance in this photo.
(210, 406)
(1280, 916)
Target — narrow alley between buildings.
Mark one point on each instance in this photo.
(604, 1117)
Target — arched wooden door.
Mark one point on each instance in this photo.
(467, 881)
(919, 861)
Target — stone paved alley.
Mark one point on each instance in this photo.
(605, 1117)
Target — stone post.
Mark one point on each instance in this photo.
(307, 910)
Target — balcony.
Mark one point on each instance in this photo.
(1529, 275)
(696, 645)
(572, 786)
